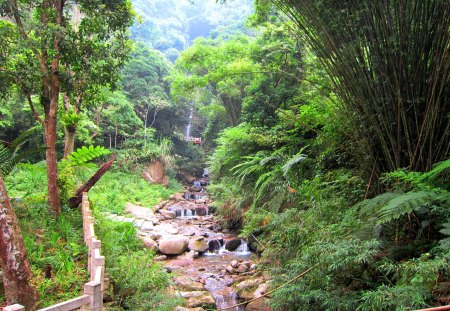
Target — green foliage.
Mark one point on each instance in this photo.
(138, 282)
(85, 154)
(116, 188)
(54, 244)
(11, 154)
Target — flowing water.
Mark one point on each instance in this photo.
(209, 267)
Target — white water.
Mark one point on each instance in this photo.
(187, 134)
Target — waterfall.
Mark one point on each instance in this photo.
(187, 213)
(205, 173)
(187, 134)
(243, 249)
(197, 184)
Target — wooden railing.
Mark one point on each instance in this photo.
(92, 300)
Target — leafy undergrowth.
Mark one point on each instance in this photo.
(55, 246)
(138, 283)
(116, 188)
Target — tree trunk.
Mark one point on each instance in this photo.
(69, 141)
(76, 200)
(13, 257)
(51, 156)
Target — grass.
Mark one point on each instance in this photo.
(117, 188)
(138, 283)
(52, 244)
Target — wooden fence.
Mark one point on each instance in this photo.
(92, 300)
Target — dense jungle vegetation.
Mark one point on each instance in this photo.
(324, 126)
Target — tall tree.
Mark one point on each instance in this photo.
(95, 48)
(13, 256)
(42, 28)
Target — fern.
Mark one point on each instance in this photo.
(403, 204)
(85, 154)
(292, 161)
(11, 155)
(445, 242)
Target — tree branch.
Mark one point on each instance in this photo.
(33, 110)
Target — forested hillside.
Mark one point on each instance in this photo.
(171, 26)
(238, 155)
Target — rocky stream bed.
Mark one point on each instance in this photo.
(211, 268)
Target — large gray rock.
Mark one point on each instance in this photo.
(198, 244)
(199, 299)
(173, 245)
(139, 211)
(233, 244)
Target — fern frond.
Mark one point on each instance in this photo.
(85, 154)
(292, 161)
(440, 172)
(372, 206)
(403, 204)
(445, 242)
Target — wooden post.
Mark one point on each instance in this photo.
(15, 307)
(94, 291)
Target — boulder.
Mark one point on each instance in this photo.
(173, 245)
(198, 244)
(160, 258)
(234, 263)
(201, 211)
(233, 244)
(214, 245)
(259, 305)
(139, 211)
(168, 214)
(199, 299)
(187, 284)
(177, 197)
(245, 289)
(149, 242)
(154, 173)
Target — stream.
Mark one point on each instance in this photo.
(210, 266)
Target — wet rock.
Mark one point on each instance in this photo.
(214, 245)
(199, 299)
(232, 245)
(149, 243)
(173, 245)
(201, 211)
(168, 214)
(160, 258)
(198, 244)
(139, 211)
(245, 289)
(230, 269)
(178, 197)
(259, 305)
(187, 284)
(194, 189)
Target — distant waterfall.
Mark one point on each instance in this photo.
(187, 134)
